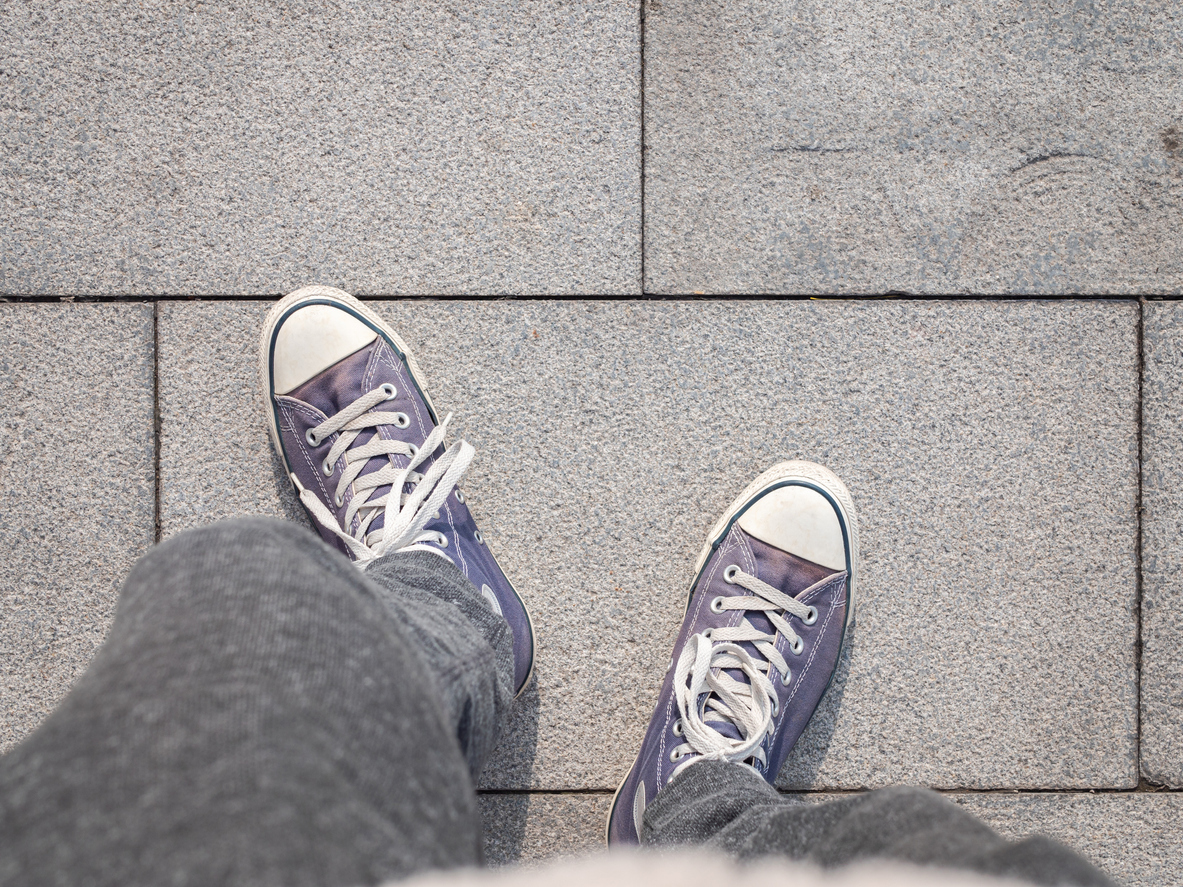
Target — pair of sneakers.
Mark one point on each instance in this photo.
(767, 611)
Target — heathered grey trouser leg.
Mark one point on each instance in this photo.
(264, 713)
(729, 808)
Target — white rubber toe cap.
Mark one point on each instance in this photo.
(311, 340)
(798, 520)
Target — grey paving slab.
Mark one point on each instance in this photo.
(215, 456)
(990, 447)
(76, 490)
(1133, 837)
(530, 828)
(247, 147)
(870, 146)
(1162, 548)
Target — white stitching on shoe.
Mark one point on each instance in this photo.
(386, 353)
(367, 376)
(456, 536)
(288, 406)
(821, 633)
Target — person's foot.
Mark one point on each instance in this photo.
(772, 596)
(350, 420)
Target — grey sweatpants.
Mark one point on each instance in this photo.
(263, 713)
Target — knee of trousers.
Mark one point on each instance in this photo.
(235, 553)
(242, 535)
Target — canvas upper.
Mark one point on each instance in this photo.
(807, 607)
(325, 354)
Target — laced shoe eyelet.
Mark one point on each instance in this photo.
(811, 616)
(328, 468)
(443, 540)
(706, 634)
(717, 605)
(414, 450)
(401, 420)
(479, 537)
(339, 499)
(675, 756)
(678, 727)
(459, 496)
(389, 390)
(797, 646)
(729, 574)
(311, 437)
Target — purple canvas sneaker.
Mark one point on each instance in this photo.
(351, 422)
(768, 609)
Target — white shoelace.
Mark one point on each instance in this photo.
(706, 694)
(404, 515)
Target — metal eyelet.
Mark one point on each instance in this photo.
(706, 634)
(717, 605)
(459, 496)
(311, 437)
(675, 756)
(443, 540)
(811, 616)
(328, 468)
(729, 574)
(414, 450)
(339, 499)
(389, 390)
(401, 420)
(797, 646)
(479, 537)
(678, 727)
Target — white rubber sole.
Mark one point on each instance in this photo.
(340, 297)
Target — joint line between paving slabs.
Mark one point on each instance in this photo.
(641, 13)
(1143, 784)
(836, 792)
(646, 297)
(156, 421)
(588, 792)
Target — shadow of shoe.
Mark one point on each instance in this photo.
(800, 770)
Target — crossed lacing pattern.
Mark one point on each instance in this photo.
(404, 514)
(707, 695)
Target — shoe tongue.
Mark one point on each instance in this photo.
(335, 389)
(725, 728)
